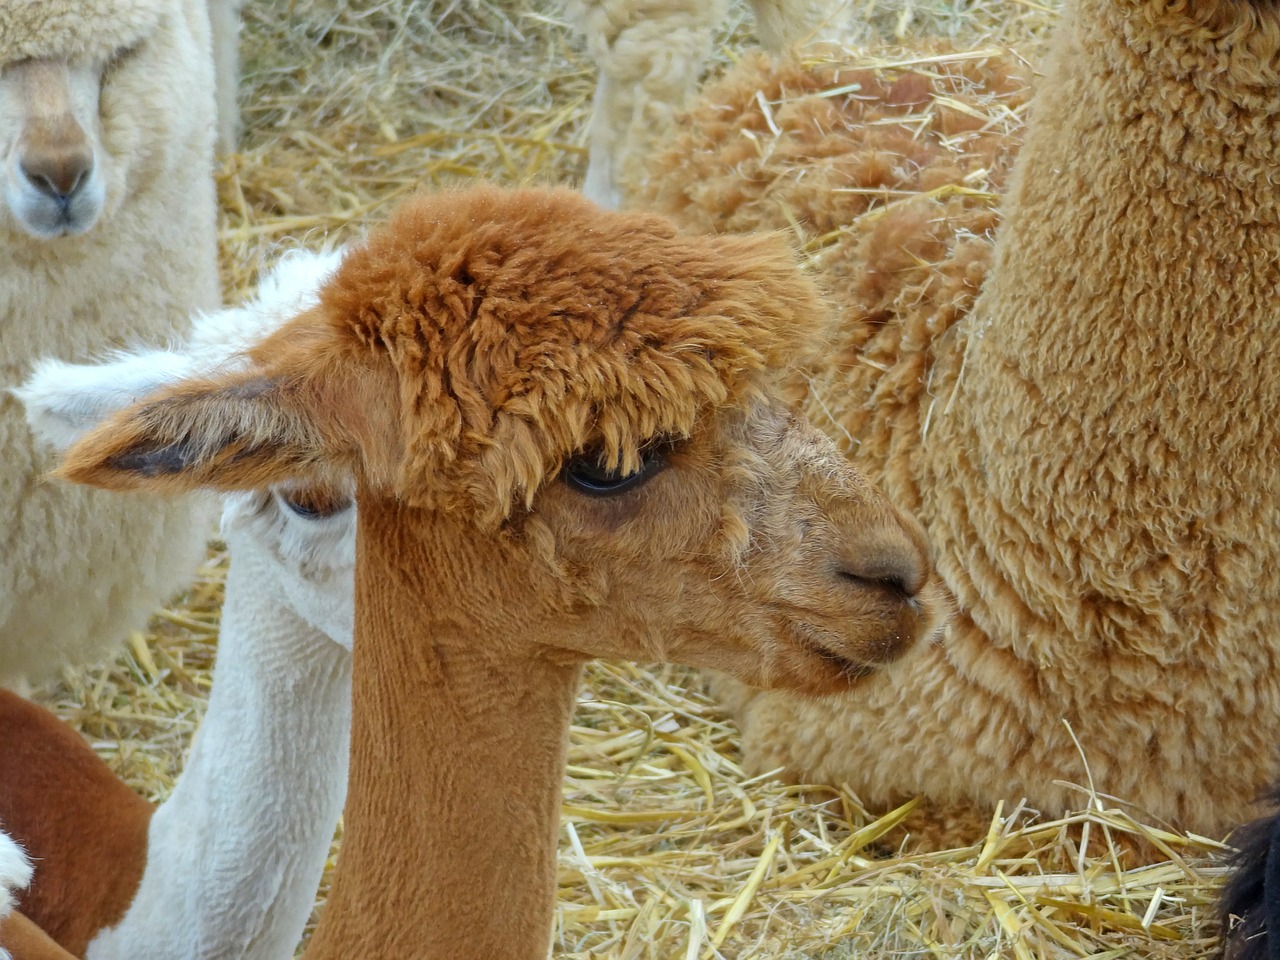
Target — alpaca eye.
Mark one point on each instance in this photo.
(314, 504)
(586, 475)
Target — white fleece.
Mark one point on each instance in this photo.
(15, 873)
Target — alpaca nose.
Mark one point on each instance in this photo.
(894, 556)
(59, 171)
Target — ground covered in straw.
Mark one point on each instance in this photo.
(667, 850)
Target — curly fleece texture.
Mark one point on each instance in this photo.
(659, 329)
(453, 312)
(1082, 414)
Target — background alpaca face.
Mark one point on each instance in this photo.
(98, 105)
(305, 541)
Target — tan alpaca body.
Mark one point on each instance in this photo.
(79, 570)
(1085, 444)
(566, 438)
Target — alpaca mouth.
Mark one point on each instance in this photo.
(827, 662)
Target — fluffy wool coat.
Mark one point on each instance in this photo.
(78, 569)
(1081, 414)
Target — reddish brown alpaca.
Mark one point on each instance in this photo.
(69, 811)
(565, 436)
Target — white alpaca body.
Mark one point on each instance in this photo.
(78, 569)
(235, 854)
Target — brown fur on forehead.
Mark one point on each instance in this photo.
(523, 326)
(92, 30)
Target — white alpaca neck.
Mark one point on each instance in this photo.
(235, 855)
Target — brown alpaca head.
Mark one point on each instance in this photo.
(571, 420)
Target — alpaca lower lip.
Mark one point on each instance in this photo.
(849, 670)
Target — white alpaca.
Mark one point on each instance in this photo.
(107, 236)
(235, 855)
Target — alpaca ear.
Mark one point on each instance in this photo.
(236, 432)
(64, 401)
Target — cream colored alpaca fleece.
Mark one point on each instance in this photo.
(79, 568)
(1083, 413)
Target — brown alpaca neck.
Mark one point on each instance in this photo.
(1135, 275)
(456, 763)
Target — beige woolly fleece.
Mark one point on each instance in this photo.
(78, 568)
(92, 30)
(1081, 414)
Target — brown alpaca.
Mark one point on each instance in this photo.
(1088, 442)
(82, 826)
(567, 441)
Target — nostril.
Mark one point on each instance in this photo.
(59, 175)
(902, 570)
(893, 584)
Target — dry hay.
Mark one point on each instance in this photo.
(667, 850)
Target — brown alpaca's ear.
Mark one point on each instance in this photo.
(238, 432)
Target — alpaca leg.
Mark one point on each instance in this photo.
(783, 24)
(600, 183)
(649, 54)
(224, 21)
(19, 937)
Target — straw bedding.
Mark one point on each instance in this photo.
(666, 851)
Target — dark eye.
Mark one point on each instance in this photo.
(315, 504)
(586, 475)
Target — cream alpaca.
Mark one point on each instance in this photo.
(648, 56)
(232, 859)
(565, 434)
(1087, 444)
(106, 235)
